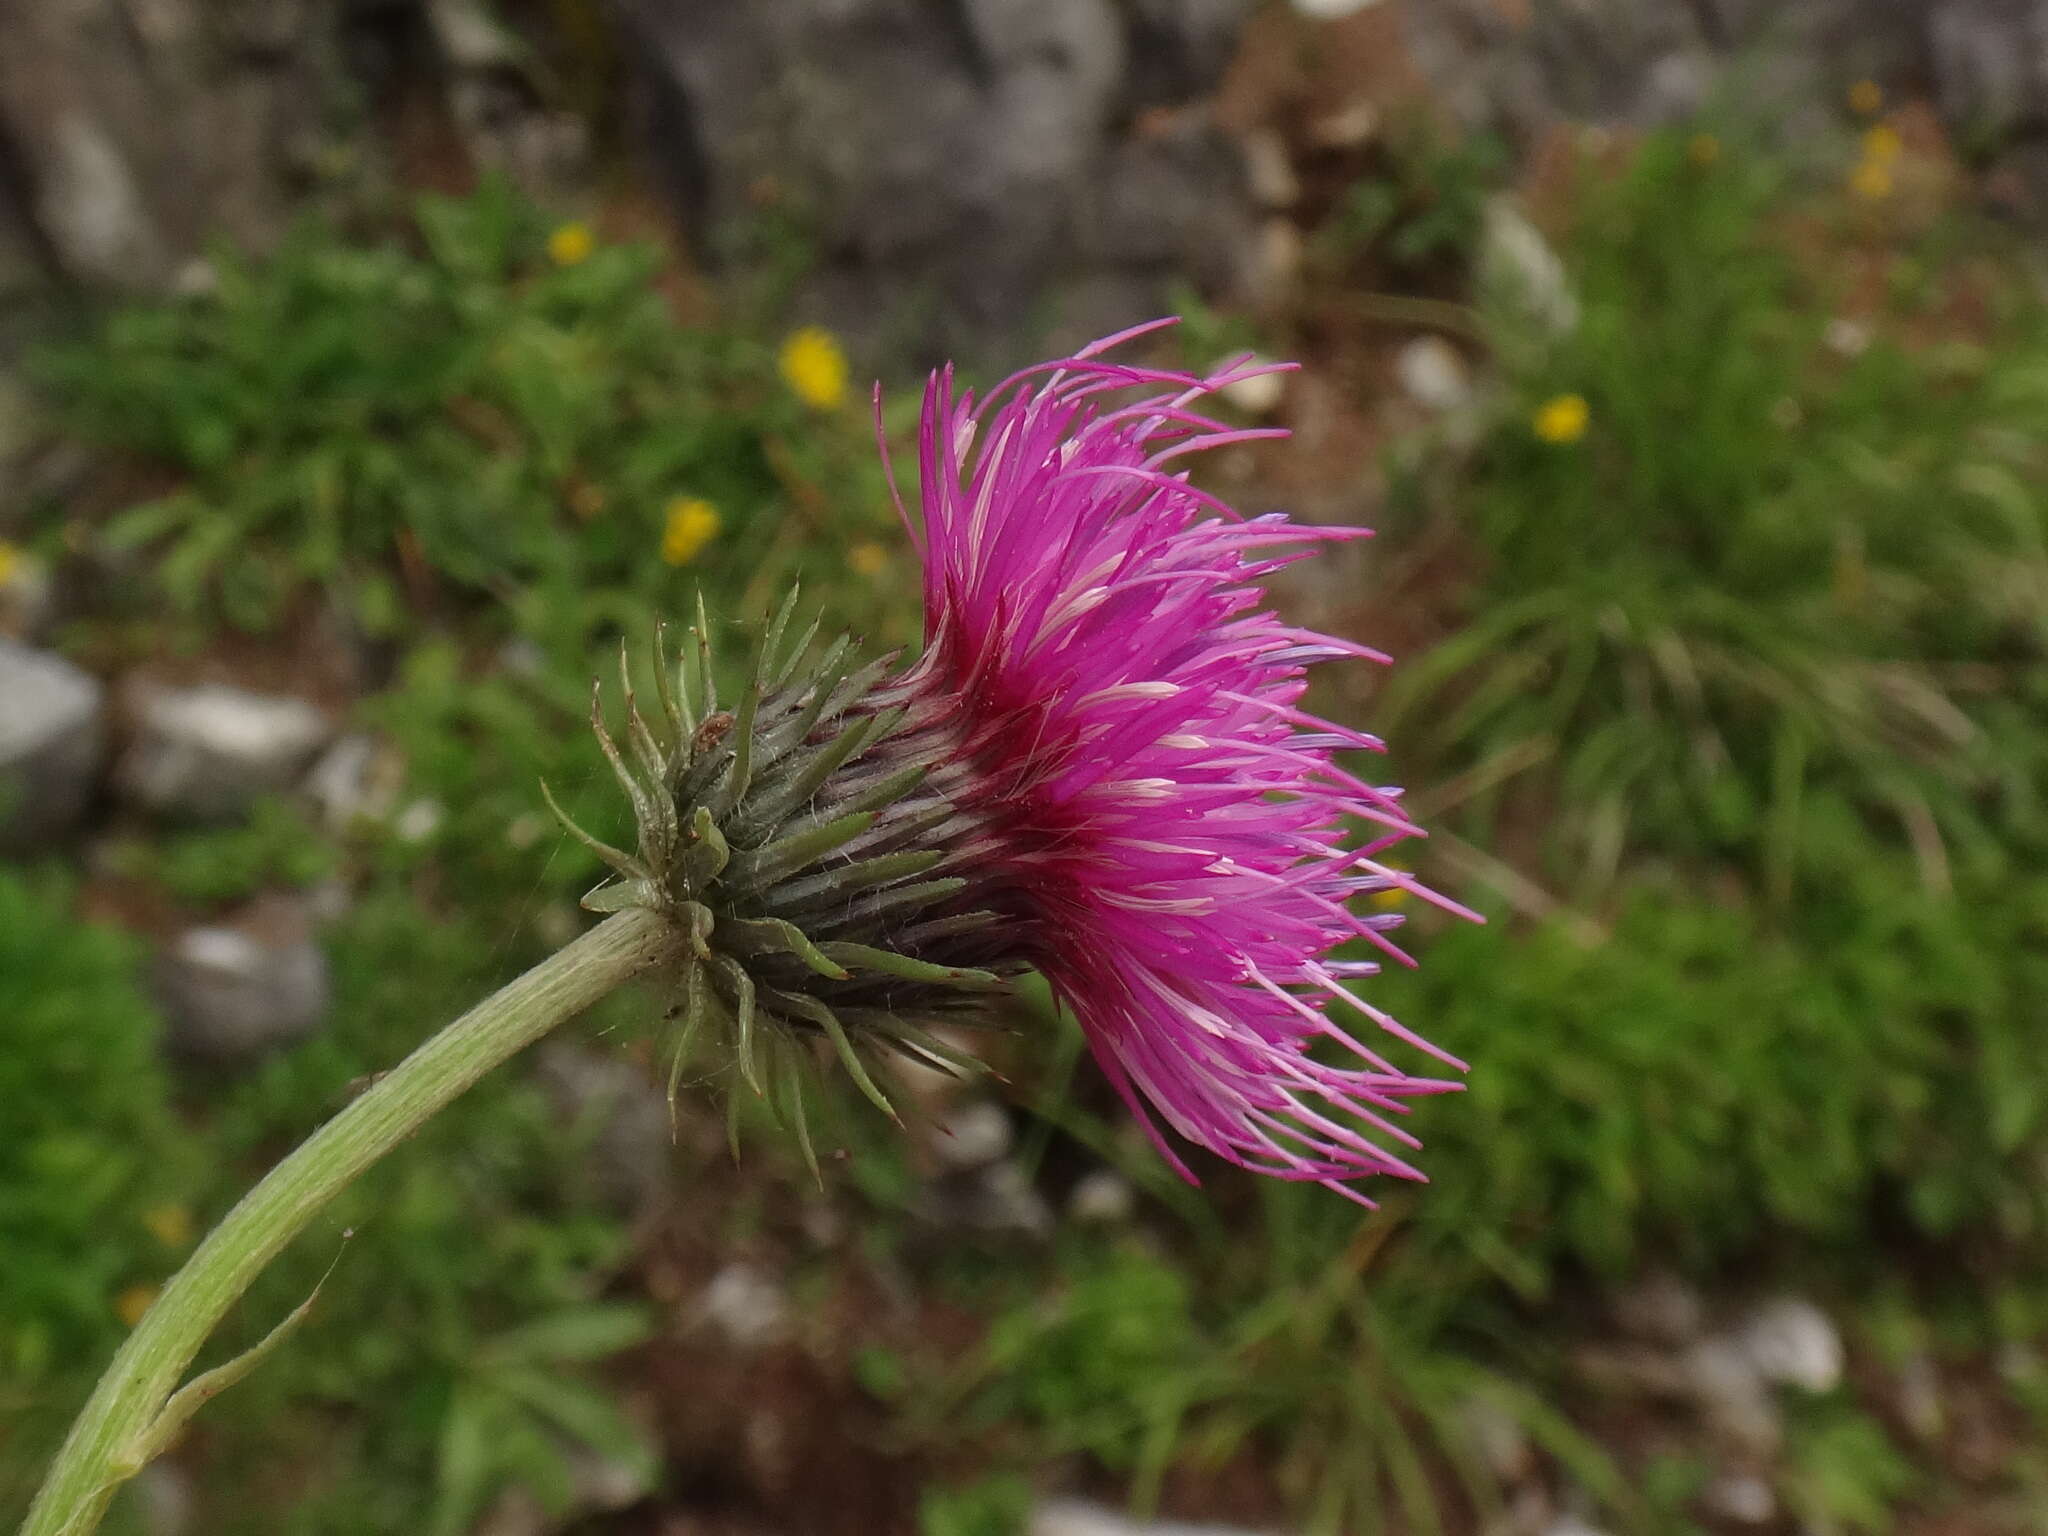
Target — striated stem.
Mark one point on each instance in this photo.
(121, 1424)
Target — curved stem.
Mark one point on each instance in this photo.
(112, 1436)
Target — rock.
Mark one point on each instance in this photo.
(164, 1494)
(1919, 1397)
(1520, 275)
(204, 753)
(745, 1305)
(1076, 1517)
(1990, 71)
(1527, 69)
(1434, 375)
(1102, 1198)
(972, 1134)
(235, 990)
(1741, 1497)
(1723, 1380)
(1791, 1343)
(997, 1201)
(52, 746)
(1258, 395)
(1662, 1309)
(1497, 1435)
(602, 1096)
(356, 780)
(957, 166)
(1268, 170)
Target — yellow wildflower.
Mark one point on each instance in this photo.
(133, 1302)
(1393, 895)
(815, 368)
(867, 558)
(1703, 149)
(1871, 181)
(10, 563)
(1865, 97)
(1561, 419)
(170, 1225)
(692, 523)
(571, 244)
(1882, 144)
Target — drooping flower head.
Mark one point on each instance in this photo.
(1098, 767)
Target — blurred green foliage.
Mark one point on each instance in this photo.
(1750, 671)
(476, 407)
(89, 1147)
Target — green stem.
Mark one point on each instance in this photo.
(110, 1438)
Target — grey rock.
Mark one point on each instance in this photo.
(1102, 1198)
(52, 745)
(1499, 1438)
(958, 165)
(631, 1149)
(1077, 1517)
(355, 780)
(236, 990)
(972, 1134)
(1642, 63)
(1723, 1380)
(746, 1305)
(1990, 64)
(205, 753)
(1662, 1309)
(1434, 375)
(1741, 1497)
(1792, 1343)
(1520, 275)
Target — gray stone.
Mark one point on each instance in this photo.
(1102, 1198)
(1990, 63)
(1723, 1380)
(957, 165)
(1741, 1497)
(1520, 275)
(1662, 1309)
(205, 753)
(236, 990)
(1433, 374)
(1793, 1344)
(52, 745)
(746, 1305)
(1077, 1517)
(1499, 1438)
(972, 1134)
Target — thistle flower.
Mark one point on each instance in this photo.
(1098, 768)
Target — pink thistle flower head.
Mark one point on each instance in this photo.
(1172, 833)
(1099, 768)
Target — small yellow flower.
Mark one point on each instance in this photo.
(692, 523)
(1871, 181)
(1865, 97)
(815, 368)
(571, 244)
(133, 1302)
(1561, 419)
(1882, 144)
(10, 563)
(1703, 149)
(867, 559)
(170, 1225)
(1393, 895)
